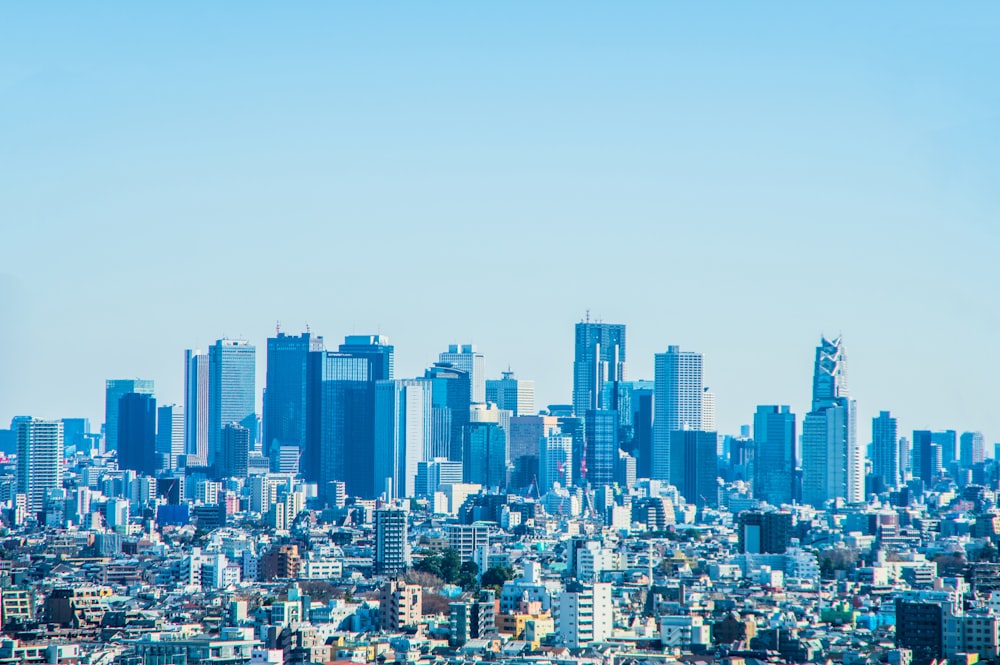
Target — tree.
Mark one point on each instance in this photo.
(467, 574)
(495, 576)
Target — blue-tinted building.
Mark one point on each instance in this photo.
(885, 451)
(599, 357)
(137, 433)
(485, 457)
(232, 387)
(694, 466)
(377, 350)
(601, 434)
(114, 390)
(774, 455)
(450, 395)
(286, 387)
(235, 451)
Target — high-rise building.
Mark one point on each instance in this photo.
(885, 450)
(39, 460)
(585, 614)
(599, 357)
(947, 441)
(972, 446)
(377, 350)
(708, 410)
(485, 459)
(392, 556)
(641, 407)
(525, 434)
(677, 399)
(694, 466)
(340, 432)
(513, 394)
(601, 435)
(196, 407)
(137, 433)
(466, 358)
(450, 391)
(926, 456)
(774, 455)
(235, 451)
(402, 434)
(232, 388)
(75, 434)
(434, 473)
(833, 463)
(285, 388)
(170, 431)
(555, 461)
(764, 533)
(114, 389)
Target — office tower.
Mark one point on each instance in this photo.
(377, 350)
(764, 533)
(926, 456)
(555, 461)
(947, 440)
(340, 432)
(833, 464)
(601, 434)
(170, 431)
(513, 394)
(392, 556)
(450, 390)
(402, 434)
(708, 410)
(599, 357)
(743, 465)
(232, 388)
(466, 358)
(525, 434)
(885, 449)
(677, 399)
(694, 466)
(434, 473)
(235, 459)
(75, 431)
(774, 454)
(137, 433)
(972, 447)
(285, 388)
(196, 407)
(114, 389)
(641, 407)
(39, 460)
(485, 459)
(905, 453)
(585, 614)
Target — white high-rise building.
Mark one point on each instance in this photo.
(196, 407)
(678, 394)
(39, 460)
(232, 381)
(555, 462)
(466, 358)
(403, 434)
(708, 411)
(170, 430)
(513, 394)
(585, 614)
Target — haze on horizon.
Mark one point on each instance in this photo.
(737, 179)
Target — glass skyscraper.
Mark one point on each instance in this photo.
(774, 455)
(677, 399)
(885, 450)
(599, 357)
(450, 391)
(513, 394)
(694, 466)
(114, 389)
(137, 433)
(601, 434)
(402, 434)
(232, 388)
(196, 407)
(285, 389)
(378, 351)
(467, 358)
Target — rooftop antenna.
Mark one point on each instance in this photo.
(587, 319)
(277, 328)
(307, 327)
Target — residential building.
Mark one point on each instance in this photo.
(39, 460)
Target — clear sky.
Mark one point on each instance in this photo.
(736, 178)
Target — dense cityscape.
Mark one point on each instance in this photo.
(447, 518)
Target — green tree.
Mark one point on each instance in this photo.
(451, 565)
(467, 574)
(495, 576)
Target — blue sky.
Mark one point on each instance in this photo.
(735, 178)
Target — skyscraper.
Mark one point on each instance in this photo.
(377, 350)
(170, 431)
(485, 458)
(972, 448)
(524, 447)
(694, 466)
(39, 460)
(340, 431)
(556, 461)
(677, 400)
(196, 407)
(465, 357)
(513, 394)
(601, 433)
(235, 451)
(232, 384)
(114, 389)
(926, 456)
(285, 389)
(392, 556)
(450, 391)
(947, 441)
(833, 463)
(402, 434)
(885, 449)
(774, 454)
(137, 433)
(599, 357)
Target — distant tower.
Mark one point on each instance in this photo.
(235, 451)
(39, 460)
(402, 434)
(137, 433)
(601, 432)
(885, 448)
(285, 389)
(377, 350)
(114, 389)
(973, 449)
(196, 407)
(599, 357)
(232, 384)
(391, 553)
(677, 402)
(833, 464)
(467, 358)
(774, 454)
(513, 394)
(170, 431)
